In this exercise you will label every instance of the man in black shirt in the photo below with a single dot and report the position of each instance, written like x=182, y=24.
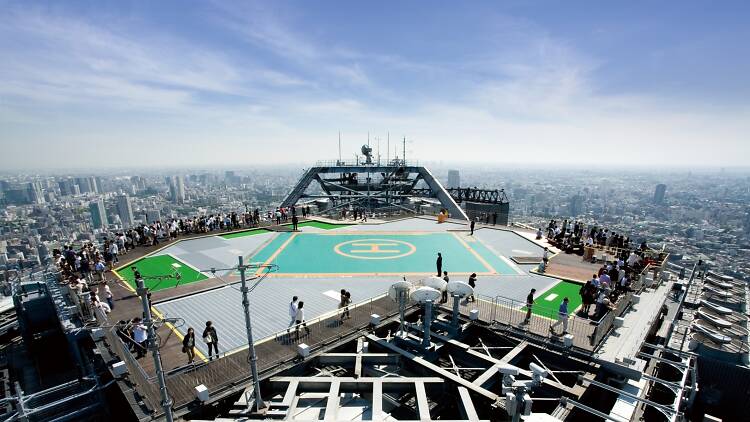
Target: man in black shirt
x=439, y=265
x=529, y=304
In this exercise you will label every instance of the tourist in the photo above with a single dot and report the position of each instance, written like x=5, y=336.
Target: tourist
x=473, y=284
x=444, y=297
x=342, y=303
x=140, y=336
x=439, y=264
x=473, y=222
x=539, y=234
x=295, y=221
x=211, y=339
x=347, y=302
x=188, y=344
x=529, y=305
x=108, y=295
x=587, y=293
x=99, y=268
x=545, y=257
x=293, y=310
x=562, y=317
x=300, y=321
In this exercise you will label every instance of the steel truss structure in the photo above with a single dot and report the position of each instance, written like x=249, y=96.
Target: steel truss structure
x=384, y=188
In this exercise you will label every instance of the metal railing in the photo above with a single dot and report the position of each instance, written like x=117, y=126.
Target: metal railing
x=232, y=369
x=137, y=376
x=510, y=315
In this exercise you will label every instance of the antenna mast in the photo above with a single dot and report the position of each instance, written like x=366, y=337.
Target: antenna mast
x=388, y=150
x=339, y=147
x=403, y=157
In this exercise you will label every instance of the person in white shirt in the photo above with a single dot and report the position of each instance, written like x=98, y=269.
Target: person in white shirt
x=140, y=336
x=300, y=319
x=293, y=311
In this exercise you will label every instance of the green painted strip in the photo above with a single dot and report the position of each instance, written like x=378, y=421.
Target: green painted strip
x=161, y=265
x=563, y=289
x=250, y=232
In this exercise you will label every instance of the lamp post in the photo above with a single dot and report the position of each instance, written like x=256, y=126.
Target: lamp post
x=249, y=327
x=166, y=401
x=258, y=403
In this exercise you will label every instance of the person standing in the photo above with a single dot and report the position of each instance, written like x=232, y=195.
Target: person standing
x=140, y=336
x=300, y=321
x=293, y=311
x=347, y=302
x=188, y=344
x=444, y=298
x=529, y=305
x=295, y=221
x=211, y=339
x=342, y=304
x=473, y=284
x=562, y=317
x=108, y=295
x=473, y=222
x=439, y=264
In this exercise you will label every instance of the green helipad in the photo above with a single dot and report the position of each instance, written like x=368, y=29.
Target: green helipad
x=379, y=253
x=159, y=272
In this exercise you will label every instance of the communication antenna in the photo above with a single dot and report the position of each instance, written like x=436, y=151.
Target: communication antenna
x=388, y=150
x=403, y=156
x=339, y=147
x=426, y=296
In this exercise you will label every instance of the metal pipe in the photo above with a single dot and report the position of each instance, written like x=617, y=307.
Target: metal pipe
x=454, y=320
x=427, y=322
x=166, y=401
x=248, y=325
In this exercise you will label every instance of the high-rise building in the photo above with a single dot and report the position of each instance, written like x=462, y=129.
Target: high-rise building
x=35, y=193
x=125, y=210
x=92, y=184
x=177, y=189
x=152, y=216
x=661, y=190
x=84, y=184
x=98, y=214
x=454, y=179
x=575, y=207
x=66, y=187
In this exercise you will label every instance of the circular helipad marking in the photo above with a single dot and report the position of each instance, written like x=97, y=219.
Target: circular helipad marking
x=375, y=249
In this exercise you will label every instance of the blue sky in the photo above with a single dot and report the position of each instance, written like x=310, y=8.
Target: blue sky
x=90, y=84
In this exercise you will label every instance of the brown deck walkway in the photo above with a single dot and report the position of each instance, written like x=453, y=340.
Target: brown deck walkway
x=571, y=267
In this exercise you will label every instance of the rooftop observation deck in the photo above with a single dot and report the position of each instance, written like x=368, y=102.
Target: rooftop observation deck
x=501, y=309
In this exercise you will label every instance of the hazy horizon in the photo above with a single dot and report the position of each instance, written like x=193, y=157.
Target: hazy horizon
x=220, y=84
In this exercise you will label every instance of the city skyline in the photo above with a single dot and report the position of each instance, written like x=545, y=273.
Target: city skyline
x=219, y=84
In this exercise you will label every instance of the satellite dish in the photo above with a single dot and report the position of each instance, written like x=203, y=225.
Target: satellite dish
x=424, y=294
x=460, y=288
x=435, y=282
x=398, y=287
x=367, y=152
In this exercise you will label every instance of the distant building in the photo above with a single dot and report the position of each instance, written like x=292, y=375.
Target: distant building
x=152, y=216
x=177, y=189
x=659, y=193
x=66, y=187
x=125, y=211
x=454, y=179
x=84, y=184
x=98, y=214
x=575, y=206
x=35, y=193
